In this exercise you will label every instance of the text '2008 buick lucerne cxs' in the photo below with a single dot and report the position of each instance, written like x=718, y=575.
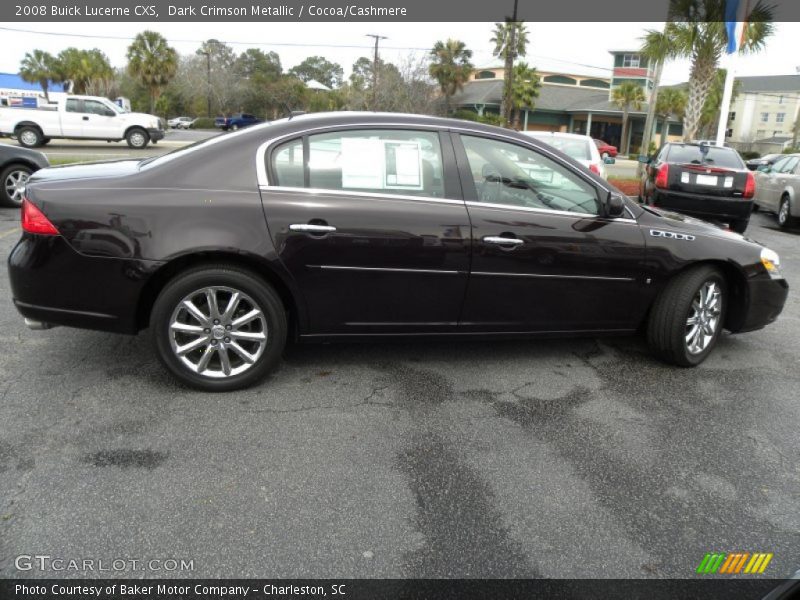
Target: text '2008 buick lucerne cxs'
x=348, y=226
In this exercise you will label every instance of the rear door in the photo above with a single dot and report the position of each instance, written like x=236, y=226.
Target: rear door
x=543, y=259
x=371, y=225
x=72, y=118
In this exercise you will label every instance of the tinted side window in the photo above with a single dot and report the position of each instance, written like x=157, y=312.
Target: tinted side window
x=790, y=165
x=73, y=105
x=377, y=161
x=287, y=164
x=508, y=174
x=96, y=108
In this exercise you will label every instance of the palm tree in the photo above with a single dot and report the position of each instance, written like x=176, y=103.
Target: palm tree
x=671, y=102
x=450, y=67
x=524, y=89
x=88, y=70
x=709, y=116
x=153, y=62
x=696, y=30
x=510, y=40
x=627, y=95
x=39, y=67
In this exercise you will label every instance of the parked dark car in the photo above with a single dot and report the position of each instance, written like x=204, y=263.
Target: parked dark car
x=348, y=226
x=759, y=164
x=704, y=181
x=16, y=166
x=236, y=122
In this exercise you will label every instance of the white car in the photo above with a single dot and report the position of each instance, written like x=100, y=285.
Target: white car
x=181, y=122
x=580, y=147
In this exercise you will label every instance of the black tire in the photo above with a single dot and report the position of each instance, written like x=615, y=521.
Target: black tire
x=137, y=138
x=739, y=226
x=9, y=178
x=784, y=216
x=667, y=324
x=29, y=137
x=262, y=295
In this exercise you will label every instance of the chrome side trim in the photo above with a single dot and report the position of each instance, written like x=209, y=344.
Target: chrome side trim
x=384, y=269
x=312, y=228
x=548, y=211
x=376, y=196
x=543, y=276
x=672, y=235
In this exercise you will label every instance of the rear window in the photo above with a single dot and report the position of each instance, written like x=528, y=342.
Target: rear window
x=705, y=155
x=574, y=148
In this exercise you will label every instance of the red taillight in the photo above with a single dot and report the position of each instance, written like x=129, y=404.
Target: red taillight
x=662, y=176
x=750, y=186
x=594, y=168
x=34, y=221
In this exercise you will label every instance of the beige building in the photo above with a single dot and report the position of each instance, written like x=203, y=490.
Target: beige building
x=763, y=114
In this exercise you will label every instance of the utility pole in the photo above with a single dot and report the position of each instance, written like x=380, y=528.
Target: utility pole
x=208, y=81
x=378, y=38
x=511, y=54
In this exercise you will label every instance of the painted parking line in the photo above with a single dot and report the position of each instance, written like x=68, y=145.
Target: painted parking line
x=9, y=232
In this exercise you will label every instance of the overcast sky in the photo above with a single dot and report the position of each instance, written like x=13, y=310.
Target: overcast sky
x=580, y=48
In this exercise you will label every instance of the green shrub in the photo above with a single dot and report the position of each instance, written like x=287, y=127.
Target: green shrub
x=487, y=118
x=204, y=123
x=791, y=150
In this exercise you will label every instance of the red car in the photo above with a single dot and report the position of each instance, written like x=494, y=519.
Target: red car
x=606, y=149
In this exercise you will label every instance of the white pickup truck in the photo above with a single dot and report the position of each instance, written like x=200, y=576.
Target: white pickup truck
x=80, y=117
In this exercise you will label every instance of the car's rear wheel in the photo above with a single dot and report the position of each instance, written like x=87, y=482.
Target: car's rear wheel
x=687, y=318
x=29, y=137
x=13, y=179
x=785, y=218
x=219, y=328
x=137, y=138
x=740, y=226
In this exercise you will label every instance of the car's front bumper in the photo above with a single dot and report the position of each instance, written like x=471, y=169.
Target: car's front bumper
x=709, y=208
x=156, y=134
x=765, y=300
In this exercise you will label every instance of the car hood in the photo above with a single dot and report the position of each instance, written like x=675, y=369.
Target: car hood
x=116, y=168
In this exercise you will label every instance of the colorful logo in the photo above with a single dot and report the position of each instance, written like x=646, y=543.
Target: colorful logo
x=734, y=563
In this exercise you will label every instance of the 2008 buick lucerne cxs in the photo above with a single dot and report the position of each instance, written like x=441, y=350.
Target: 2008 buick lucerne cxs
x=354, y=225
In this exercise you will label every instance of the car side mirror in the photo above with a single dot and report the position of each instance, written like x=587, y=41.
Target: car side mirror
x=608, y=160
x=644, y=159
x=615, y=205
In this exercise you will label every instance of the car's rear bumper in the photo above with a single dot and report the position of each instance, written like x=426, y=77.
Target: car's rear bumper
x=766, y=298
x=704, y=207
x=52, y=283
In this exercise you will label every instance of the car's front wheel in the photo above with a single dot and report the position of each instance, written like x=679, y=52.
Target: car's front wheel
x=219, y=328
x=687, y=318
x=137, y=138
x=13, y=178
x=785, y=218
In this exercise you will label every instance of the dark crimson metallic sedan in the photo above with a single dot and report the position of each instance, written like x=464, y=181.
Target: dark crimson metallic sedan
x=357, y=225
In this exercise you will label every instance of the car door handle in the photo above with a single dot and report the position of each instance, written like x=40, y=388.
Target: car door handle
x=85, y=118
x=310, y=228
x=503, y=241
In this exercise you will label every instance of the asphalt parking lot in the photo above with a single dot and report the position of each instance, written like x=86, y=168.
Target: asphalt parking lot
x=575, y=458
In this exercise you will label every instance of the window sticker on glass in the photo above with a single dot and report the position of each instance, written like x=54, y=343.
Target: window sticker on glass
x=403, y=163
x=361, y=162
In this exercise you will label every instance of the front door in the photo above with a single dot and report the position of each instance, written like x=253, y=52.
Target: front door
x=544, y=260
x=99, y=120
x=371, y=226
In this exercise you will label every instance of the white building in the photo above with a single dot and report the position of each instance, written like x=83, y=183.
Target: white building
x=763, y=114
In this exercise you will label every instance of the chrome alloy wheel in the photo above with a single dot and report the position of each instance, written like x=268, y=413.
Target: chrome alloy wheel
x=704, y=317
x=15, y=185
x=138, y=139
x=218, y=332
x=29, y=138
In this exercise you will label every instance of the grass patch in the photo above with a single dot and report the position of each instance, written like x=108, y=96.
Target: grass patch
x=69, y=160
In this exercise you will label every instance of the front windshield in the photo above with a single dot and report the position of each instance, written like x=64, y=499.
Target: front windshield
x=117, y=109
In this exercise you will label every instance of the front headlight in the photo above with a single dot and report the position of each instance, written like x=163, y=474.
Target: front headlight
x=771, y=262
